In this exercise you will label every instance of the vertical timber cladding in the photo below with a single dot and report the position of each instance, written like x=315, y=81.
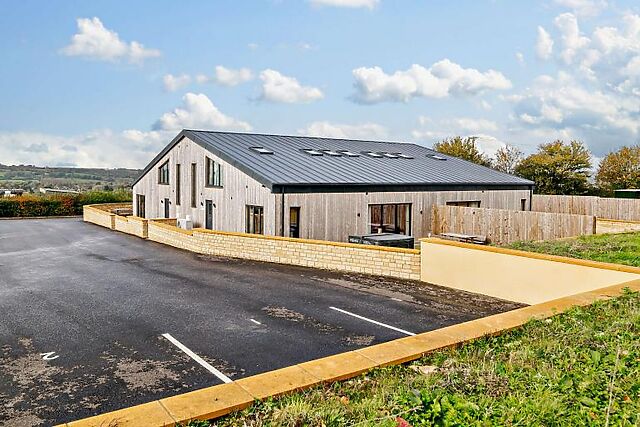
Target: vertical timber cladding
x=229, y=201
x=335, y=216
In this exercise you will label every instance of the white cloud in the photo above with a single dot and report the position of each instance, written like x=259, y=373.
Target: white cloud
x=572, y=40
x=95, y=41
x=544, y=44
x=520, y=58
x=583, y=7
x=228, y=77
x=280, y=88
x=442, y=79
x=100, y=148
x=431, y=131
x=372, y=131
x=105, y=148
x=369, y=4
x=172, y=83
x=198, y=112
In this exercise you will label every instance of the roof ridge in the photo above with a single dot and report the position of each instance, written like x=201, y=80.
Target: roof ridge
x=305, y=136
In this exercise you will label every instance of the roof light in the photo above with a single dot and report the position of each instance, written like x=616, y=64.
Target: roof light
x=373, y=154
x=390, y=156
x=332, y=153
x=436, y=157
x=312, y=152
x=403, y=156
x=350, y=154
x=261, y=150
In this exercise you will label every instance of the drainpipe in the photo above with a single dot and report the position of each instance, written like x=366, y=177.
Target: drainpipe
x=282, y=212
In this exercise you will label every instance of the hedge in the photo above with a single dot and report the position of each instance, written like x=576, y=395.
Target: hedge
x=58, y=204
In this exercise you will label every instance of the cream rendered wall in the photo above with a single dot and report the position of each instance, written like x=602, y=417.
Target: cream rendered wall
x=335, y=216
x=514, y=275
x=238, y=190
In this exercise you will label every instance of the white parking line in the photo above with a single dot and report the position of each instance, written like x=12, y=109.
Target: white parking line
x=372, y=321
x=255, y=321
x=198, y=359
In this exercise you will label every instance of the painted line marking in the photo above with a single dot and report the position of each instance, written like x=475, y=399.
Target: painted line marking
x=372, y=321
x=198, y=359
x=396, y=299
x=49, y=355
x=255, y=321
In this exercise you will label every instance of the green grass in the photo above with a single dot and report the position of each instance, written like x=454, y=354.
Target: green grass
x=615, y=248
x=580, y=368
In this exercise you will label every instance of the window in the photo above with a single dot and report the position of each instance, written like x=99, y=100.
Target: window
x=465, y=203
x=140, y=205
x=261, y=150
x=213, y=173
x=294, y=222
x=178, y=189
x=332, y=153
x=393, y=218
x=523, y=204
x=373, y=154
x=436, y=157
x=350, y=153
x=163, y=173
x=255, y=220
x=312, y=152
x=194, y=189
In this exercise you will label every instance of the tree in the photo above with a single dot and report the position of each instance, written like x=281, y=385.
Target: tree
x=619, y=169
x=464, y=148
x=507, y=159
x=558, y=168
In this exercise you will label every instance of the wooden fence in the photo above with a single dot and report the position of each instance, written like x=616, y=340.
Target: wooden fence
x=609, y=208
x=503, y=226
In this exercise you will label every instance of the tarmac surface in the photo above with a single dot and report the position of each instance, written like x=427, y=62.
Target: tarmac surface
x=92, y=320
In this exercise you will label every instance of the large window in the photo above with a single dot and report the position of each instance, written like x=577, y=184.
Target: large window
x=194, y=186
x=163, y=173
x=213, y=173
x=392, y=218
x=255, y=220
x=140, y=211
x=178, y=186
x=465, y=203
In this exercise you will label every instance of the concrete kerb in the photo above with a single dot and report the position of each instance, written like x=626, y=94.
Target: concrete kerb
x=223, y=399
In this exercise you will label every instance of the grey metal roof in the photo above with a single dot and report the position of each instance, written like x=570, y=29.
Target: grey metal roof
x=289, y=166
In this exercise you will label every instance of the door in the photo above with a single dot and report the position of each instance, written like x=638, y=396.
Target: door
x=166, y=208
x=208, y=221
x=294, y=222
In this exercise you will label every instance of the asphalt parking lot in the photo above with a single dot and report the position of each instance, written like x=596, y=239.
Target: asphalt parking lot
x=92, y=320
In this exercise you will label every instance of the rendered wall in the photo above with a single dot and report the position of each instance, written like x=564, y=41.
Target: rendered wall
x=515, y=275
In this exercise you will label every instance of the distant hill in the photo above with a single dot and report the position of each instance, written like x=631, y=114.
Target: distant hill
x=31, y=178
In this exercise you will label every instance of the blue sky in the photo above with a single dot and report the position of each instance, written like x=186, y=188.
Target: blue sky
x=108, y=83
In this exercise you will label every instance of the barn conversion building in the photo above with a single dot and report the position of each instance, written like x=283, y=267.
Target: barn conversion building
x=315, y=188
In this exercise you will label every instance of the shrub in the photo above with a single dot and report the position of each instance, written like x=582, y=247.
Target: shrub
x=58, y=204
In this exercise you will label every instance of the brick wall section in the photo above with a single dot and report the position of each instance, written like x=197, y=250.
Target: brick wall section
x=131, y=225
x=98, y=216
x=394, y=262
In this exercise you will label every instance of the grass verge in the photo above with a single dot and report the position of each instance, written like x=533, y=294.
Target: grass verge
x=615, y=248
x=579, y=368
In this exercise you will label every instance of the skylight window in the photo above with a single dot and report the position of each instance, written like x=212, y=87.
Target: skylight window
x=350, y=153
x=261, y=150
x=436, y=157
x=390, y=155
x=312, y=152
x=373, y=154
x=403, y=156
x=332, y=153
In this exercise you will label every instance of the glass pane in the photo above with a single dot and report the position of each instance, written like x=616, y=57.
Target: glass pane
x=375, y=218
x=389, y=218
x=403, y=219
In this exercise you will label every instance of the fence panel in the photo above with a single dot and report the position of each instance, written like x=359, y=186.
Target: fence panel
x=503, y=226
x=608, y=208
